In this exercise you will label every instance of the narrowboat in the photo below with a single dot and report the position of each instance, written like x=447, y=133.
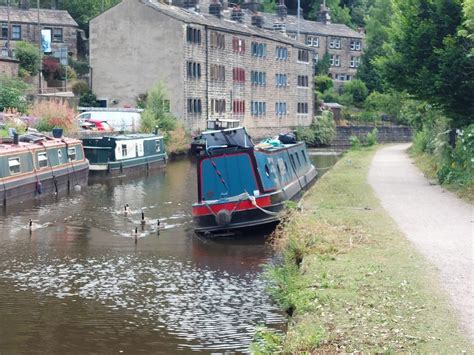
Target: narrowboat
x=199, y=143
x=124, y=155
x=242, y=185
x=34, y=165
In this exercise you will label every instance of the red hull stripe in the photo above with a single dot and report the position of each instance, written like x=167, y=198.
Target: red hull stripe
x=203, y=210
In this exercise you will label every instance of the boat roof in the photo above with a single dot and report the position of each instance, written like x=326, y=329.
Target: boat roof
x=230, y=137
x=123, y=137
x=7, y=146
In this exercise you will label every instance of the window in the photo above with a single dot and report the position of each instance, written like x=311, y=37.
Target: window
x=342, y=77
x=303, y=56
x=312, y=41
x=194, y=106
x=217, y=72
x=280, y=108
x=335, y=43
x=258, y=108
x=4, y=33
x=57, y=35
x=302, y=107
x=303, y=81
x=217, y=40
x=158, y=146
x=124, y=150
x=281, y=53
x=193, y=70
x=42, y=160
x=355, y=45
x=355, y=62
x=217, y=106
x=258, y=78
x=71, y=152
x=259, y=49
x=238, y=45
x=238, y=107
x=16, y=32
x=238, y=75
x=14, y=165
x=335, y=60
x=60, y=156
x=193, y=35
x=281, y=80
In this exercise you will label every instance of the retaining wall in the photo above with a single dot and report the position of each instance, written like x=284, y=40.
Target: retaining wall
x=386, y=134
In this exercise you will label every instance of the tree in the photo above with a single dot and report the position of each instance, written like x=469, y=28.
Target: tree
x=339, y=14
x=429, y=59
x=13, y=94
x=323, y=83
x=156, y=112
x=323, y=65
x=357, y=90
x=29, y=57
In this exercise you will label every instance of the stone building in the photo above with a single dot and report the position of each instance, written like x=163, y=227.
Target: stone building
x=212, y=65
x=24, y=27
x=9, y=67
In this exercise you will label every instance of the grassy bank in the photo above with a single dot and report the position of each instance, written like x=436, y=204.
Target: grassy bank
x=350, y=280
x=428, y=165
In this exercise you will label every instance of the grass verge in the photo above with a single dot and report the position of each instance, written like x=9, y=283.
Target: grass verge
x=350, y=281
x=428, y=165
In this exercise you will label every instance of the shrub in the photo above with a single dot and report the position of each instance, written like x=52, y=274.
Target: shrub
x=13, y=94
x=71, y=73
x=323, y=83
x=324, y=129
x=357, y=89
x=177, y=141
x=29, y=57
x=80, y=87
x=52, y=114
x=81, y=67
x=156, y=113
x=51, y=67
x=328, y=96
x=372, y=138
x=88, y=99
x=420, y=142
x=355, y=142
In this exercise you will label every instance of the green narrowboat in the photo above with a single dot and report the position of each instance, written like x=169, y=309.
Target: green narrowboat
x=124, y=155
x=35, y=165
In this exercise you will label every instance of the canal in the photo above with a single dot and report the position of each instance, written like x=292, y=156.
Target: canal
x=78, y=282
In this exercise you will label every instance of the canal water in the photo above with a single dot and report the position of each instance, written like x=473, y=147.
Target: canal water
x=78, y=283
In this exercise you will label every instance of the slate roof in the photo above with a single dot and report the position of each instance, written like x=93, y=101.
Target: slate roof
x=47, y=16
x=223, y=23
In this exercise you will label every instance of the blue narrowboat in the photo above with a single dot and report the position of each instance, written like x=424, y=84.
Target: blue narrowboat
x=242, y=185
x=35, y=165
x=126, y=154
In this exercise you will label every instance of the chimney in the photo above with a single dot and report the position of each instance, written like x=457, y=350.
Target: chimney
x=251, y=5
x=282, y=10
x=24, y=4
x=236, y=14
x=257, y=20
x=215, y=8
x=324, y=14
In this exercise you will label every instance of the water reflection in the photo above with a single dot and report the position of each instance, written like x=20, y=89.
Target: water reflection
x=77, y=282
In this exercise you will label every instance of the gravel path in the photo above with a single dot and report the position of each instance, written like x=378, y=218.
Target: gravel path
x=440, y=225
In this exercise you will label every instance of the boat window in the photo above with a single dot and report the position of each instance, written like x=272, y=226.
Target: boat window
x=298, y=158
x=292, y=158
x=157, y=146
x=42, y=160
x=124, y=150
x=286, y=167
x=60, y=156
x=14, y=164
x=267, y=170
x=71, y=152
x=304, y=156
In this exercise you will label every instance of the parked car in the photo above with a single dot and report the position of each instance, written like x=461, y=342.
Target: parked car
x=96, y=125
x=127, y=121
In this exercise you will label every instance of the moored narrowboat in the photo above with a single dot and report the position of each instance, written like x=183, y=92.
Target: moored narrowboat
x=34, y=165
x=242, y=185
x=124, y=155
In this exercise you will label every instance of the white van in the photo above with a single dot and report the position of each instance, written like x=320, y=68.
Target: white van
x=119, y=120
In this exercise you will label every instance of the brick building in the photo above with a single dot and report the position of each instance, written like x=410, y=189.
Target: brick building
x=24, y=27
x=213, y=65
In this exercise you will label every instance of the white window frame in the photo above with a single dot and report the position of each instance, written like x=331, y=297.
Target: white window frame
x=335, y=43
x=42, y=157
x=14, y=163
x=60, y=156
x=355, y=45
x=72, y=152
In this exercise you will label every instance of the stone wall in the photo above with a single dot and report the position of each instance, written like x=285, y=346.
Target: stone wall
x=386, y=134
x=9, y=67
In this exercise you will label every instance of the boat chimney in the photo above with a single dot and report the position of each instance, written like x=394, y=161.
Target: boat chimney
x=15, y=138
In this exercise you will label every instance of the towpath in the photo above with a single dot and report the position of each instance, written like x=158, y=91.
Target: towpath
x=440, y=225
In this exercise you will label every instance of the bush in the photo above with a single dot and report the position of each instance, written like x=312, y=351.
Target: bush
x=13, y=94
x=51, y=67
x=372, y=138
x=323, y=83
x=321, y=132
x=81, y=67
x=355, y=142
x=420, y=142
x=71, y=73
x=357, y=89
x=88, y=99
x=29, y=57
x=80, y=87
x=328, y=96
x=50, y=114
x=156, y=113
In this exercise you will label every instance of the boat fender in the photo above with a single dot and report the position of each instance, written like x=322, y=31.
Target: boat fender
x=39, y=187
x=223, y=217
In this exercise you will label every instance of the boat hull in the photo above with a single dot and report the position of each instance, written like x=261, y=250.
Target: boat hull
x=133, y=168
x=33, y=186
